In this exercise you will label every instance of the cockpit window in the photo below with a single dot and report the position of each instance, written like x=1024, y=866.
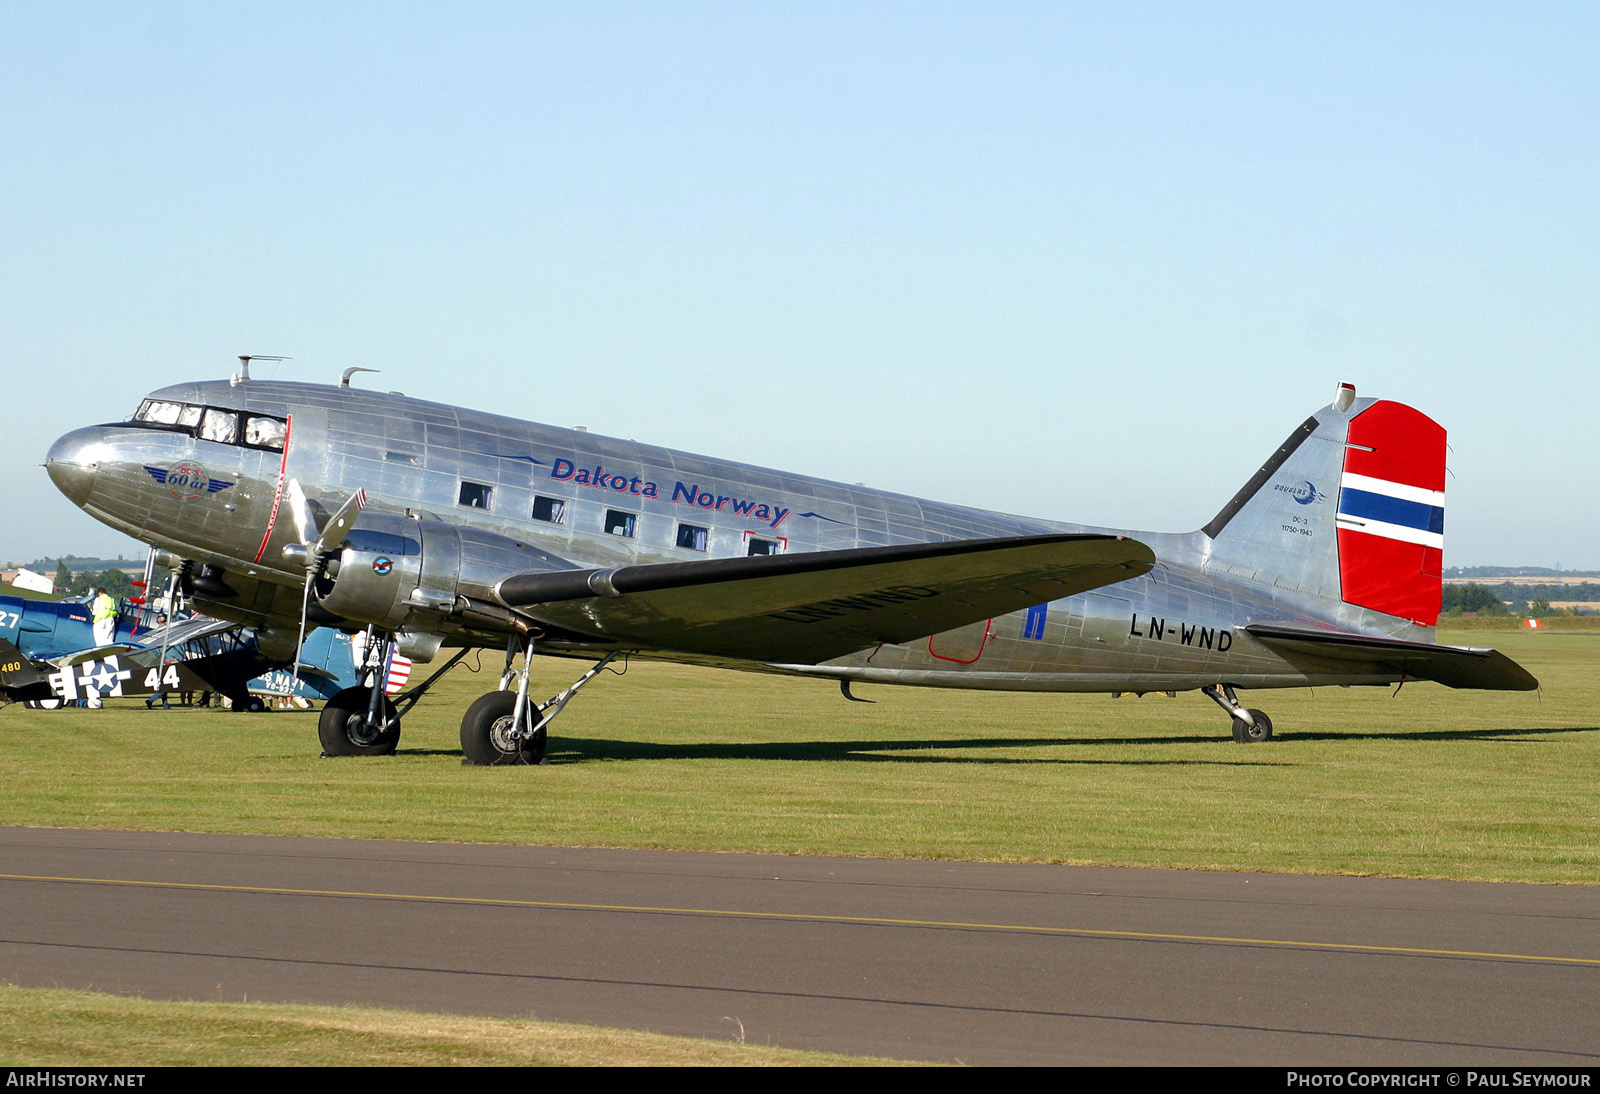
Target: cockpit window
x=220, y=425
x=214, y=423
x=160, y=413
x=265, y=433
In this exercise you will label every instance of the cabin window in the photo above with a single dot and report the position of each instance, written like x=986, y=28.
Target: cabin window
x=760, y=546
x=619, y=523
x=551, y=510
x=400, y=457
x=266, y=432
x=221, y=426
x=474, y=495
x=693, y=536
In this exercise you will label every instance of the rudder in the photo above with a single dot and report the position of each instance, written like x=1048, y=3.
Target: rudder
x=1391, y=513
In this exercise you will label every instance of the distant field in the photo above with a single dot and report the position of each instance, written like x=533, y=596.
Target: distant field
x=1429, y=783
x=26, y=594
x=1470, y=630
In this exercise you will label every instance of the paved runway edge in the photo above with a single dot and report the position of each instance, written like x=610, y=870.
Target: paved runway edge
x=982, y=962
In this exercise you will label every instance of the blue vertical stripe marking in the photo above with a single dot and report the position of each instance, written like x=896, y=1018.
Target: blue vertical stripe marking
x=1037, y=615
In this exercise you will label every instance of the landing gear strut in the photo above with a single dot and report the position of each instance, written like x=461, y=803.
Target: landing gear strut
x=1249, y=726
x=505, y=727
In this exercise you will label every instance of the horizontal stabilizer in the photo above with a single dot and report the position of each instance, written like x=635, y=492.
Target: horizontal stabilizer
x=17, y=669
x=809, y=607
x=1453, y=666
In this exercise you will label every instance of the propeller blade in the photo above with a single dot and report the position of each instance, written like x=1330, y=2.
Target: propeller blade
x=166, y=631
x=299, y=643
x=334, y=533
x=305, y=522
x=329, y=538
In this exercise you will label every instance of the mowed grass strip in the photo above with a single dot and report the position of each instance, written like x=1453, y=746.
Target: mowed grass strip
x=44, y=1027
x=1427, y=783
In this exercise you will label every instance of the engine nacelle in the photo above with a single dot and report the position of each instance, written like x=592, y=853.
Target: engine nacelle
x=380, y=566
x=395, y=571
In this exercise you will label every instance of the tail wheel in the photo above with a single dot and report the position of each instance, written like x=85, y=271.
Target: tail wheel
x=486, y=738
x=1246, y=734
x=347, y=729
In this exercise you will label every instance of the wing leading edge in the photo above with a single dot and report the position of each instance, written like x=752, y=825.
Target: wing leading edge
x=811, y=607
x=1453, y=666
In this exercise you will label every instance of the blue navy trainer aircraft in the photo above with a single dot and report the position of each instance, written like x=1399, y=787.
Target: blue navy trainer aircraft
x=284, y=505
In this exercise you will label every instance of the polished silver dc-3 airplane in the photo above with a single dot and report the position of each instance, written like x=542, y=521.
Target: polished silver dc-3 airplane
x=283, y=505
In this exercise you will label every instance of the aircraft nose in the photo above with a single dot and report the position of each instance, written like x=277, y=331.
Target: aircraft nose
x=73, y=462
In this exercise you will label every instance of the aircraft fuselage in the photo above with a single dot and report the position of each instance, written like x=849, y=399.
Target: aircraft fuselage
x=520, y=496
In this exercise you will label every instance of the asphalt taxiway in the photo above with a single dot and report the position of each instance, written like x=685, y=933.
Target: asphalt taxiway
x=979, y=962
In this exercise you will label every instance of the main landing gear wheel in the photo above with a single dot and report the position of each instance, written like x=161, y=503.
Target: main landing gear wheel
x=486, y=736
x=43, y=704
x=346, y=727
x=1245, y=733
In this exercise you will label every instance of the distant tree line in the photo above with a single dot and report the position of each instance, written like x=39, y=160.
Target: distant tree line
x=1473, y=598
x=1516, y=571
x=115, y=582
x=1523, y=599
x=1588, y=590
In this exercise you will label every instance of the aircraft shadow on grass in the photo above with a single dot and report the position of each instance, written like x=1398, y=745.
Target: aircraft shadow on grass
x=590, y=749
x=581, y=750
x=1508, y=735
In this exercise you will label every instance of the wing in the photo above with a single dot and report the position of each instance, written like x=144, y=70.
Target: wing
x=186, y=630
x=810, y=607
x=1454, y=666
x=94, y=653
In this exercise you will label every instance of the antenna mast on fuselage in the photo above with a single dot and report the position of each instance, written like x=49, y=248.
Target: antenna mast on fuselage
x=243, y=375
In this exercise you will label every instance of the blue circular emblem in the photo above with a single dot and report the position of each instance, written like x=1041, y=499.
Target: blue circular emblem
x=382, y=565
x=187, y=481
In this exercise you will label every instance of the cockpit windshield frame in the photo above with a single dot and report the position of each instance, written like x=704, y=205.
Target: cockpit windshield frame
x=220, y=425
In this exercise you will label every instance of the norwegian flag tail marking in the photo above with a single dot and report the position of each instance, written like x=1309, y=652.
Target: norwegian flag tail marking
x=1390, y=521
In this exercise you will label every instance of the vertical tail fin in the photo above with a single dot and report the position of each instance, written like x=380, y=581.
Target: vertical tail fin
x=1350, y=509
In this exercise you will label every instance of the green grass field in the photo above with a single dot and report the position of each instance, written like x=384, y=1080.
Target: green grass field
x=44, y=1027
x=1428, y=783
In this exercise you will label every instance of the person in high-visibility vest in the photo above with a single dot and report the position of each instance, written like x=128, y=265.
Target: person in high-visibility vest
x=104, y=610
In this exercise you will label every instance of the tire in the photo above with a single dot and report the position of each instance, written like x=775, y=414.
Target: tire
x=483, y=729
x=1247, y=734
x=343, y=730
x=44, y=704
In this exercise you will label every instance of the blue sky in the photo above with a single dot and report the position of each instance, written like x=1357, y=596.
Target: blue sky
x=1083, y=261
